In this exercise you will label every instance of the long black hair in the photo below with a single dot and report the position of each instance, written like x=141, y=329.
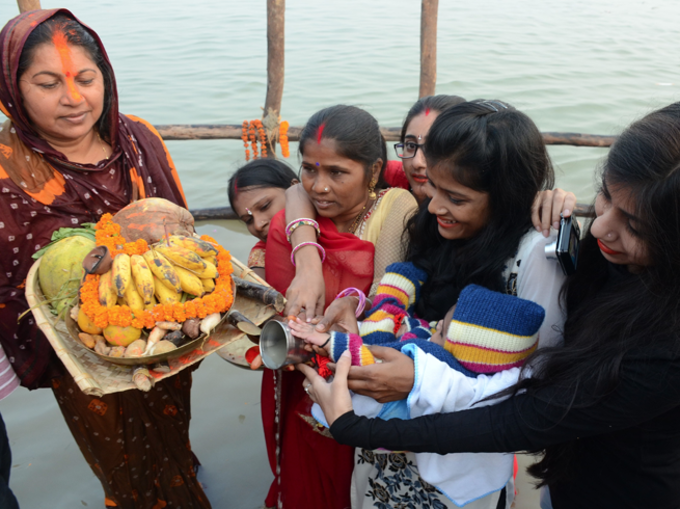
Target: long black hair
x=609, y=310
x=356, y=133
x=76, y=35
x=263, y=172
x=490, y=147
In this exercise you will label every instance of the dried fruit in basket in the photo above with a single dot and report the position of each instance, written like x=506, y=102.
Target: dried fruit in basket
x=61, y=270
x=152, y=218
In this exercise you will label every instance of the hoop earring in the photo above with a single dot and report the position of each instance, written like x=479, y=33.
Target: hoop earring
x=371, y=190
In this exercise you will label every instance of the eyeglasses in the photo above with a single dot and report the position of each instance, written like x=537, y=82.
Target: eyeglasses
x=408, y=149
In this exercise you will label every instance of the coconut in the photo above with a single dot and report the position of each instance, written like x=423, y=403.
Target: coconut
x=153, y=218
x=61, y=270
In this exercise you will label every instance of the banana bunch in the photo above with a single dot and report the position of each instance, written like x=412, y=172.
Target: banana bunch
x=178, y=265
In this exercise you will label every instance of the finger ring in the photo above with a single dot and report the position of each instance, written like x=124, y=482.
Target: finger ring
x=307, y=389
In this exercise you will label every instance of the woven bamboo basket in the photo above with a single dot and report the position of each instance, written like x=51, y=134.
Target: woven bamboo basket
x=96, y=376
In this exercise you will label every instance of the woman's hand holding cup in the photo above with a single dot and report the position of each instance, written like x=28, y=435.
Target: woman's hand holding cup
x=333, y=397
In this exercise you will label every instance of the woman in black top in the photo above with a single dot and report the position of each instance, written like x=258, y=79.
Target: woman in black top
x=605, y=407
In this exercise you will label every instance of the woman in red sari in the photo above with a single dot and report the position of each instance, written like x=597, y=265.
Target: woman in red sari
x=67, y=156
x=343, y=156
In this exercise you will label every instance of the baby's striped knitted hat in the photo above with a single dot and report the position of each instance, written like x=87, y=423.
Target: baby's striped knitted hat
x=492, y=331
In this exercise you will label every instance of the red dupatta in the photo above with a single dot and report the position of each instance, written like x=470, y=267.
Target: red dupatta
x=315, y=471
x=349, y=260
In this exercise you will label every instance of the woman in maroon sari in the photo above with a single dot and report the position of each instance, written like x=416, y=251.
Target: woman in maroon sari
x=67, y=156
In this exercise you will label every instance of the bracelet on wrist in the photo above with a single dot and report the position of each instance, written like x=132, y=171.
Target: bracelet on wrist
x=360, y=295
x=322, y=251
x=296, y=223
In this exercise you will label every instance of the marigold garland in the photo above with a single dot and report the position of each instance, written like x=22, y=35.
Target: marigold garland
x=252, y=138
x=262, y=136
x=244, y=137
x=219, y=300
x=283, y=138
x=253, y=131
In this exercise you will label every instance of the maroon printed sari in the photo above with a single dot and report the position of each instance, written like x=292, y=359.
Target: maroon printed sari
x=137, y=444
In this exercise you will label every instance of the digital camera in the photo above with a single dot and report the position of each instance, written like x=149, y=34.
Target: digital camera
x=565, y=248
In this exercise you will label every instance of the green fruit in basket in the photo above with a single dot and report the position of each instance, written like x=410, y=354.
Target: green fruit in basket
x=61, y=269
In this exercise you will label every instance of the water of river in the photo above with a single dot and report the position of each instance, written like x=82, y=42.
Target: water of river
x=578, y=66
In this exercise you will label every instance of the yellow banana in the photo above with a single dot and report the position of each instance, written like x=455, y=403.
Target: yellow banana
x=107, y=292
x=210, y=271
x=190, y=284
x=164, y=294
x=211, y=259
x=143, y=277
x=198, y=246
x=163, y=270
x=133, y=299
x=182, y=257
x=208, y=284
x=153, y=302
x=121, y=273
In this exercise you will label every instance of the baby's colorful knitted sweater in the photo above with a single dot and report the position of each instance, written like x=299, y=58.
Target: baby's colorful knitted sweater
x=489, y=331
x=393, y=307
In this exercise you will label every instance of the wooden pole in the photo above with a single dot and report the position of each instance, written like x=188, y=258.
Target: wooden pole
x=233, y=132
x=220, y=213
x=28, y=5
x=428, y=47
x=275, y=66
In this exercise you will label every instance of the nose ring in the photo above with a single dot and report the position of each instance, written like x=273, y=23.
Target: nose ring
x=609, y=235
x=326, y=189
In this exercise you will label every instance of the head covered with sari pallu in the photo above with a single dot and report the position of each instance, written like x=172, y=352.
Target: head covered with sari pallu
x=41, y=190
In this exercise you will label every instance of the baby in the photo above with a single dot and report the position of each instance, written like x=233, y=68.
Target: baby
x=484, y=332
x=485, y=337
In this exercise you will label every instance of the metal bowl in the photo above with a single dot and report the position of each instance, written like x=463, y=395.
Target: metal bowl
x=147, y=359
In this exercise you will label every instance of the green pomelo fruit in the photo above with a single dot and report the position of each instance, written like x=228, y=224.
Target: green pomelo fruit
x=61, y=269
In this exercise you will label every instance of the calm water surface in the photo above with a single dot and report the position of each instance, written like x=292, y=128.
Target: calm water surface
x=578, y=66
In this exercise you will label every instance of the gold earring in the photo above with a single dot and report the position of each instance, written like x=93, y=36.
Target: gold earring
x=371, y=189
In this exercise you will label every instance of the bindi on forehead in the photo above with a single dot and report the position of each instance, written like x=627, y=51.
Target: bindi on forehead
x=61, y=44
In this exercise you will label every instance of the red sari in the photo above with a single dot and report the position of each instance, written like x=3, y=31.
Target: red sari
x=315, y=471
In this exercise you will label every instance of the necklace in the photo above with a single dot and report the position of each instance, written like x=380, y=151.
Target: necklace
x=357, y=219
x=106, y=154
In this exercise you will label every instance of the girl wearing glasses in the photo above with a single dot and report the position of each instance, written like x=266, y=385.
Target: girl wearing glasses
x=413, y=135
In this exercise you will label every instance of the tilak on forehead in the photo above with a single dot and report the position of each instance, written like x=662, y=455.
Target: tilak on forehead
x=61, y=44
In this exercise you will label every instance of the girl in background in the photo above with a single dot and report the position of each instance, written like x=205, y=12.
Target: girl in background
x=256, y=193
